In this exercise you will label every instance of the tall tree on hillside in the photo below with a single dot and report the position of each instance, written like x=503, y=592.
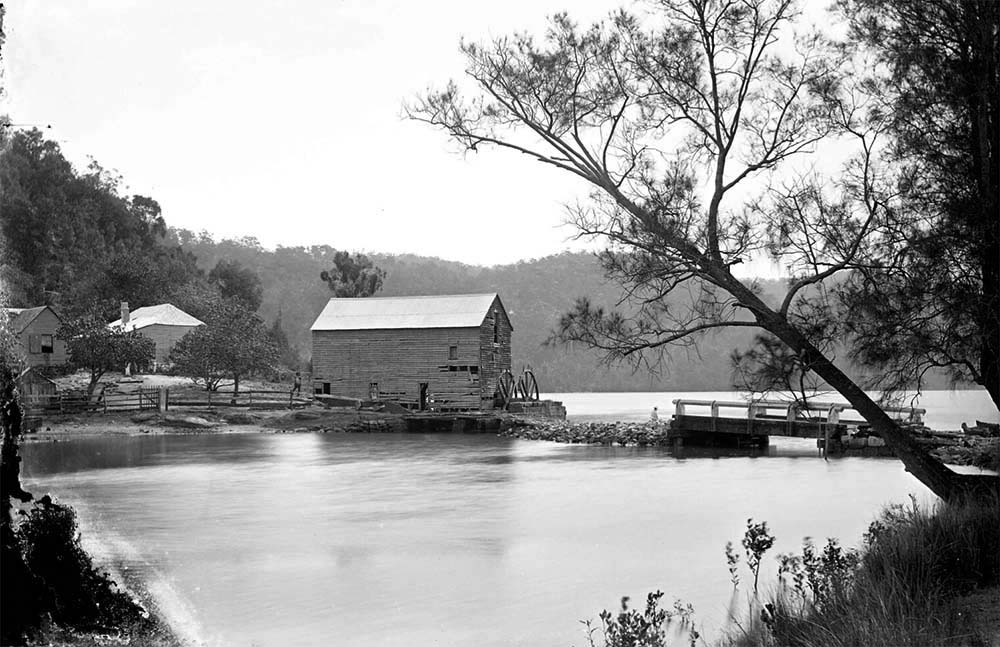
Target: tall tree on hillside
x=287, y=356
x=667, y=126
x=353, y=277
x=934, y=302
x=237, y=282
x=72, y=239
x=197, y=297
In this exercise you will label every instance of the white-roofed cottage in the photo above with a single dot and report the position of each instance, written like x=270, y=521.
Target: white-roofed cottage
x=165, y=324
x=444, y=353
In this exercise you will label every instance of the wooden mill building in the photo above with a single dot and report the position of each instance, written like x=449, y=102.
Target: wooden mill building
x=440, y=353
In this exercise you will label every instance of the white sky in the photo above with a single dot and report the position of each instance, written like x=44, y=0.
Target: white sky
x=249, y=118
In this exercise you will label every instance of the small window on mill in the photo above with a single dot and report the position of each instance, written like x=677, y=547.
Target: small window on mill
x=453, y=352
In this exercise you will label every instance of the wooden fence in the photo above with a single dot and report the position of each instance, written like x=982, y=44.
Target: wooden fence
x=259, y=399
x=100, y=401
x=152, y=399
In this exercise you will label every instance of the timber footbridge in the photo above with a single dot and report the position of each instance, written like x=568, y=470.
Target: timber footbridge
x=752, y=423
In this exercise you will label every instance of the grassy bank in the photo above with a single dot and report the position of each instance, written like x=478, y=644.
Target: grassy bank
x=921, y=578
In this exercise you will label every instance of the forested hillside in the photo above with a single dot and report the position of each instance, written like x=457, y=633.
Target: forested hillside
x=536, y=293
x=72, y=240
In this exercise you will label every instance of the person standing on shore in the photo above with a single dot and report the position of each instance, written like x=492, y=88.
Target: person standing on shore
x=655, y=416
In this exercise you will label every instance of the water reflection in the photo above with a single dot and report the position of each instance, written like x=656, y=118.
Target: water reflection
x=115, y=452
x=302, y=539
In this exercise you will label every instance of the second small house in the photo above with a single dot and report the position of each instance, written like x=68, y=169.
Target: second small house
x=35, y=330
x=442, y=353
x=165, y=324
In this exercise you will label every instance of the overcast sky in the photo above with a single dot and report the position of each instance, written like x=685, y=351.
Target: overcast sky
x=247, y=118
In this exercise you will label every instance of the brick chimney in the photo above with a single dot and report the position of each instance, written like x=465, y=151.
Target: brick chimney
x=125, y=317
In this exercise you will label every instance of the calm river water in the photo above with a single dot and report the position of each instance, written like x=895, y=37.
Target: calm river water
x=309, y=539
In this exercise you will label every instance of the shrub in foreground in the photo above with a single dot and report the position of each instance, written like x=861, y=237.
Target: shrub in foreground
x=652, y=627
x=70, y=595
x=903, y=588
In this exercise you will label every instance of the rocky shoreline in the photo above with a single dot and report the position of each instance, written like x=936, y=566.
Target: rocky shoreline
x=214, y=421
x=623, y=434
x=953, y=448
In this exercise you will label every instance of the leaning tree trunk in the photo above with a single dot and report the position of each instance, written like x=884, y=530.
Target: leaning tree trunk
x=944, y=482
x=931, y=472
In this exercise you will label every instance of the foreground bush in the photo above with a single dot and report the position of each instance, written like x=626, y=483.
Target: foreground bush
x=904, y=588
x=61, y=596
x=653, y=627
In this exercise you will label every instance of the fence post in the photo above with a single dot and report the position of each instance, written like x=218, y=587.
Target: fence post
x=162, y=404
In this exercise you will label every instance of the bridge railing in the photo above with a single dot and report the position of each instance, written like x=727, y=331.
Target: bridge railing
x=830, y=412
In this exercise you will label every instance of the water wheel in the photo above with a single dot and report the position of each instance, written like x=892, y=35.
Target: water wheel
x=527, y=386
x=506, y=387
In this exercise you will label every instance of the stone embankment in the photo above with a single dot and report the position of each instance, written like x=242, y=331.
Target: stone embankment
x=970, y=450
x=332, y=421
x=951, y=448
x=623, y=434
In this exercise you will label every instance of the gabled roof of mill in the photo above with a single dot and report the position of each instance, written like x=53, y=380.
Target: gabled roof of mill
x=20, y=318
x=164, y=314
x=380, y=313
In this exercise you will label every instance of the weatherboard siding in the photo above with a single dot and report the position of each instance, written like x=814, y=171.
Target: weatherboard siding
x=494, y=358
x=165, y=337
x=45, y=323
x=399, y=361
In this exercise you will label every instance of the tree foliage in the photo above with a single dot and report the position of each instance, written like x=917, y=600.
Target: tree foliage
x=96, y=347
x=233, y=344
x=237, y=282
x=353, y=277
x=535, y=292
x=287, y=357
x=933, y=301
x=679, y=128
x=73, y=240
